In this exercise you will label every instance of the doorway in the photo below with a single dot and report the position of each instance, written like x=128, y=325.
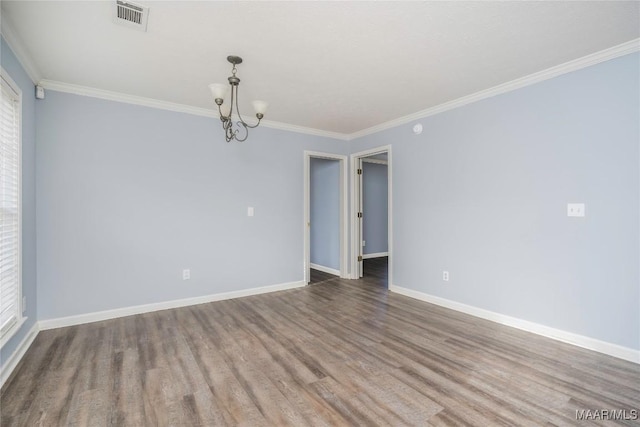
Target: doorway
x=325, y=214
x=371, y=203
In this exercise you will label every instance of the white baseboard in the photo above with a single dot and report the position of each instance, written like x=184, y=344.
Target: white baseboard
x=611, y=349
x=146, y=308
x=325, y=269
x=375, y=255
x=12, y=361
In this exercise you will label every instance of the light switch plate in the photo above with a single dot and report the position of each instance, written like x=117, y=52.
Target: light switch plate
x=250, y=211
x=575, y=209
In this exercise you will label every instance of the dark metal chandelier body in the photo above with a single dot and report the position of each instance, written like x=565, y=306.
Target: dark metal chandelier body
x=219, y=91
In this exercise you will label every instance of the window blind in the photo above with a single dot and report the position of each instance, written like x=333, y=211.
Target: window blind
x=10, y=290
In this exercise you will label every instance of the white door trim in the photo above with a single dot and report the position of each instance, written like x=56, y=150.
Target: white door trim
x=359, y=221
x=344, y=211
x=355, y=242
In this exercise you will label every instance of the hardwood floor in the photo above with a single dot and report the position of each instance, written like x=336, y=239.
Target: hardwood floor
x=373, y=269
x=336, y=353
x=318, y=276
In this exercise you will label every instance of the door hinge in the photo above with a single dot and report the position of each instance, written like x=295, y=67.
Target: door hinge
x=359, y=258
x=359, y=214
x=359, y=171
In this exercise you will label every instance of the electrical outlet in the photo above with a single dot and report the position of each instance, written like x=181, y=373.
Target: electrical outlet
x=186, y=274
x=445, y=276
x=575, y=209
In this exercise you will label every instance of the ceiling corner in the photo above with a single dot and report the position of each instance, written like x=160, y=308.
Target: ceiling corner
x=18, y=48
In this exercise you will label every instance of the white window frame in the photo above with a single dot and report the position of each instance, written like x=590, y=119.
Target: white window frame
x=10, y=331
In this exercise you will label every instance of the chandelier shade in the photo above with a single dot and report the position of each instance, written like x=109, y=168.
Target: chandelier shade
x=219, y=90
x=260, y=107
x=226, y=98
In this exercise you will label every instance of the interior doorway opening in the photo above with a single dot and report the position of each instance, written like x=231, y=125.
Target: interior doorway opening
x=325, y=215
x=371, y=249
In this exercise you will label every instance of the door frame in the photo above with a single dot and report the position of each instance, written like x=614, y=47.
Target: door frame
x=356, y=238
x=344, y=211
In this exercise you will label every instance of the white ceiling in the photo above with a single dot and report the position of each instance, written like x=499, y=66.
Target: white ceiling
x=334, y=66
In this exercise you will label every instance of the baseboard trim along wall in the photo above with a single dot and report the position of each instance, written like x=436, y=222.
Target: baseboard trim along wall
x=12, y=361
x=325, y=269
x=146, y=308
x=375, y=255
x=610, y=349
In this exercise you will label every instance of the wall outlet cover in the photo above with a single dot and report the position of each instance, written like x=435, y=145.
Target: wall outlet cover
x=575, y=209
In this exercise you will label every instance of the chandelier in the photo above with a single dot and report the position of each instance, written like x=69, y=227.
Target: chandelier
x=239, y=131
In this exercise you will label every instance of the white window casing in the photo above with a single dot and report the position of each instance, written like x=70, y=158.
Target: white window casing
x=10, y=208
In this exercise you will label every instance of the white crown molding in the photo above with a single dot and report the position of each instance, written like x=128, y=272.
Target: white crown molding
x=604, y=347
x=574, y=65
x=80, y=319
x=305, y=130
x=125, y=98
x=172, y=106
x=12, y=361
x=9, y=35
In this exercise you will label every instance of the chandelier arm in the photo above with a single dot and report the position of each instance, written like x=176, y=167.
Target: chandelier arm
x=234, y=97
x=254, y=126
x=246, y=132
x=223, y=118
x=229, y=137
x=225, y=122
x=227, y=125
x=245, y=124
x=238, y=110
x=229, y=133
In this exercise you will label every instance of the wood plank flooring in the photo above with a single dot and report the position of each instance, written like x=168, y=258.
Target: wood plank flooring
x=336, y=353
x=318, y=276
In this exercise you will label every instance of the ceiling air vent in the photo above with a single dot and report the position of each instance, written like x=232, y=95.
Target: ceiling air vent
x=131, y=14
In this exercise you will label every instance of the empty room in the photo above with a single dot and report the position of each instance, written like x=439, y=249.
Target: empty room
x=266, y=213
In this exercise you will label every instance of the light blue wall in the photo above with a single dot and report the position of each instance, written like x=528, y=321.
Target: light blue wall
x=482, y=193
x=375, y=209
x=325, y=212
x=129, y=196
x=17, y=73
